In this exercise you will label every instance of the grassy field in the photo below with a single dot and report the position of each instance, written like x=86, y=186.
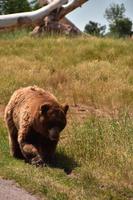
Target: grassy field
x=94, y=156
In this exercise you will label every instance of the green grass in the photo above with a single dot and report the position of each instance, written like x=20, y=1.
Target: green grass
x=97, y=152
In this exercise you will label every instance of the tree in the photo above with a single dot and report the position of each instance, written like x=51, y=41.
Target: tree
x=122, y=27
x=118, y=24
x=115, y=12
x=1, y=6
x=94, y=28
x=14, y=6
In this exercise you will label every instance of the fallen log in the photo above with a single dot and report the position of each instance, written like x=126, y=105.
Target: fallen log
x=29, y=18
x=49, y=18
x=72, y=6
x=57, y=22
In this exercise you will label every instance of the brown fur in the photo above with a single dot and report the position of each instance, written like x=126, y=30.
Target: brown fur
x=34, y=119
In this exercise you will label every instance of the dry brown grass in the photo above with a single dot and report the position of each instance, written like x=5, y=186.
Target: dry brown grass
x=94, y=72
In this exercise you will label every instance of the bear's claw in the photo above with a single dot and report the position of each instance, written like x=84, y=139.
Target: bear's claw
x=38, y=162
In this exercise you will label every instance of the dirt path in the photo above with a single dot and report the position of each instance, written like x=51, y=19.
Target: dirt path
x=81, y=112
x=11, y=191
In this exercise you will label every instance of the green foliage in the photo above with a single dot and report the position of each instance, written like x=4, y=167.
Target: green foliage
x=115, y=12
x=14, y=6
x=95, y=29
x=119, y=25
x=122, y=27
x=1, y=6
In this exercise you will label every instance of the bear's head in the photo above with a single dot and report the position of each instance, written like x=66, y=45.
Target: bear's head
x=52, y=120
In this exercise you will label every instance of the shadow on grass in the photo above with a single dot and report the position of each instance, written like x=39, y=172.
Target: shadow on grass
x=62, y=161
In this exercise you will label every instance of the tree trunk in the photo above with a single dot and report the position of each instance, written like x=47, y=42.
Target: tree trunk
x=29, y=18
x=57, y=22
x=50, y=18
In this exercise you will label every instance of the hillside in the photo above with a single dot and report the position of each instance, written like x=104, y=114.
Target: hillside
x=95, y=77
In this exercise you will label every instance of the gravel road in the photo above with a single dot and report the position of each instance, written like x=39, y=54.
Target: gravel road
x=10, y=191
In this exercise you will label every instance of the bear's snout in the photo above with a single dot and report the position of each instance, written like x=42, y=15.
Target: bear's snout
x=54, y=133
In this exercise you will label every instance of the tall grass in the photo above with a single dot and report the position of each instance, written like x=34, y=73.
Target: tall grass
x=95, y=72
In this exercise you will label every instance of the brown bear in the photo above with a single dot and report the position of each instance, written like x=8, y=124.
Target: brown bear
x=34, y=120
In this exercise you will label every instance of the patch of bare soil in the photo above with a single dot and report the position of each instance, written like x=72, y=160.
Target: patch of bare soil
x=82, y=112
x=9, y=190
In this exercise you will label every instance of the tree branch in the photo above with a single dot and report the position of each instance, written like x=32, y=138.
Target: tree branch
x=75, y=4
x=29, y=18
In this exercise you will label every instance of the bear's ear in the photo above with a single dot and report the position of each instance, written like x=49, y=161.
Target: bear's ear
x=65, y=108
x=44, y=108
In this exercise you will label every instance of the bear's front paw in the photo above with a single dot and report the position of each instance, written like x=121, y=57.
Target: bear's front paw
x=38, y=162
